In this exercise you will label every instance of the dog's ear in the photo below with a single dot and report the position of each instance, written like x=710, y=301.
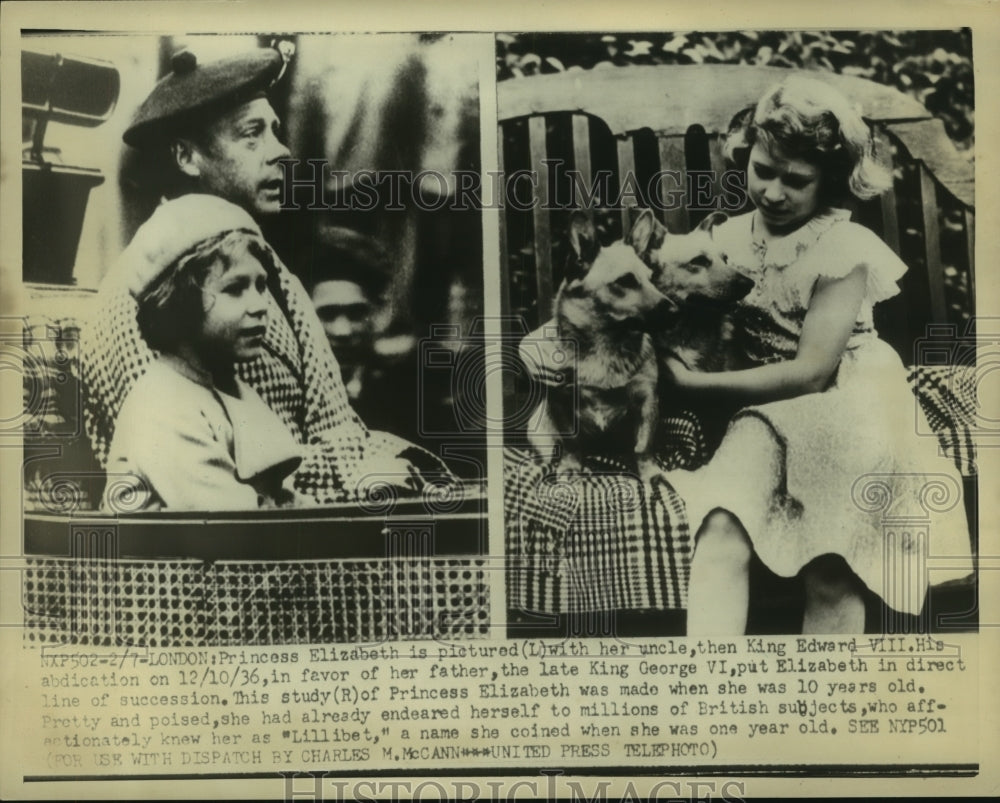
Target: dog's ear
x=583, y=240
x=714, y=219
x=641, y=233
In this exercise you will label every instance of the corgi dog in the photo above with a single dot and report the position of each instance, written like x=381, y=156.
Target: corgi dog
x=693, y=272
x=604, y=310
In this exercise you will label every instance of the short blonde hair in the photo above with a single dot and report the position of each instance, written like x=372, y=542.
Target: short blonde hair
x=811, y=120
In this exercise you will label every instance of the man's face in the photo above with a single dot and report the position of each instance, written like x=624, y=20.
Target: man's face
x=346, y=314
x=237, y=158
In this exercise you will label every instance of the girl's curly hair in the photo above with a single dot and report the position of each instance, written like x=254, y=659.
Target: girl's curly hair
x=809, y=119
x=171, y=309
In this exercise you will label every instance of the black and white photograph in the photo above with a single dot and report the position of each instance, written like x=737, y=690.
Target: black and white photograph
x=589, y=401
x=239, y=254
x=740, y=273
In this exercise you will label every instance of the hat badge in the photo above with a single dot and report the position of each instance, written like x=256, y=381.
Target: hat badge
x=183, y=62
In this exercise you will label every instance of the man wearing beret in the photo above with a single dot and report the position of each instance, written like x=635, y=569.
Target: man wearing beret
x=216, y=133
x=215, y=127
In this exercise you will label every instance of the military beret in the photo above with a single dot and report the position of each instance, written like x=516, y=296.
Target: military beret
x=175, y=228
x=191, y=89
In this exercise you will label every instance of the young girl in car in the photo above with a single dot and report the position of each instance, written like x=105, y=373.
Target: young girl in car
x=191, y=434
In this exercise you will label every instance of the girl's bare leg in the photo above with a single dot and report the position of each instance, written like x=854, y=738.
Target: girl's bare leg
x=746, y=470
x=720, y=583
x=834, y=602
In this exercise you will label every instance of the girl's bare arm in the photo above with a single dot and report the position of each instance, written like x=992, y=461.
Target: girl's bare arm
x=828, y=324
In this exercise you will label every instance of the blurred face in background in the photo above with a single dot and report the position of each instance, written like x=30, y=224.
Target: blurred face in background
x=346, y=312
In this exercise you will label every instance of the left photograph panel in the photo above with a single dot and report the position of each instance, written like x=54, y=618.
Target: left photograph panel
x=251, y=328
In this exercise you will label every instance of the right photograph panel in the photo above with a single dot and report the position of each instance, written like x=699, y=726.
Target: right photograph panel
x=739, y=296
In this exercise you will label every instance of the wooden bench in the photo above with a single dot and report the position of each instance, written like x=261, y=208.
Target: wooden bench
x=665, y=127
x=657, y=133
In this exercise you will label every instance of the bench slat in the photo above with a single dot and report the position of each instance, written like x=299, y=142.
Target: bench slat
x=888, y=200
x=970, y=245
x=540, y=216
x=672, y=159
x=505, y=273
x=932, y=245
x=717, y=161
x=581, y=151
x=626, y=167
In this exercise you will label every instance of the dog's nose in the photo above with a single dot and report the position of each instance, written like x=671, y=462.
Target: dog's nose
x=744, y=284
x=664, y=314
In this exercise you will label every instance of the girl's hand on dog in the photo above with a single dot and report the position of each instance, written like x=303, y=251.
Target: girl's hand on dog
x=675, y=374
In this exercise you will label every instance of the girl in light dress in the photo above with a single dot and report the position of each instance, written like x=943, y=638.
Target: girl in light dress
x=826, y=442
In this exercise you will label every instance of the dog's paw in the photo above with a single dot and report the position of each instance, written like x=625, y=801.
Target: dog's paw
x=648, y=469
x=569, y=464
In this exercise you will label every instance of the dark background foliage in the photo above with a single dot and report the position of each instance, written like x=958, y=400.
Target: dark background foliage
x=934, y=67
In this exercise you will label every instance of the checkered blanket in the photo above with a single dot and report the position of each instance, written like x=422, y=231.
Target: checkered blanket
x=600, y=539
x=297, y=375
x=597, y=540
x=947, y=395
